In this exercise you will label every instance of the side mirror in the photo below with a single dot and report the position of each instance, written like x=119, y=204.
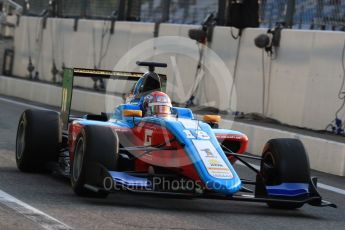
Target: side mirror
x=132, y=113
x=212, y=120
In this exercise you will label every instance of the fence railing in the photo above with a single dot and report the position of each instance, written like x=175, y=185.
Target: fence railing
x=306, y=14
x=299, y=14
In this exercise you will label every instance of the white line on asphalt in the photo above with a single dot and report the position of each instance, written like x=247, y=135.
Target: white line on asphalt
x=39, y=217
x=319, y=185
x=331, y=188
x=21, y=103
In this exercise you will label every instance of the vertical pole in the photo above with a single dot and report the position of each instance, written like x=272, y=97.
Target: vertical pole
x=128, y=10
x=319, y=15
x=133, y=10
x=53, y=8
x=290, y=11
x=185, y=11
x=59, y=8
x=221, y=17
x=83, y=7
x=262, y=8
x=271, y=18
x=300, y=17
x=165, y=10
x=122, y=10
x=150, y=11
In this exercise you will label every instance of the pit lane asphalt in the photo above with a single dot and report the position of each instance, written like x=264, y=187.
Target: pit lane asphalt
x=53, y=195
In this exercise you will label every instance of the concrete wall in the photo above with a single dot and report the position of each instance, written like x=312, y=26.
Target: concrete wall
x=90, y=102
x=305, y=75
x=324, y=155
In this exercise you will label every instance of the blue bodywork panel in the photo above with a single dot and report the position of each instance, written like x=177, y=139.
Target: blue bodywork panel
x=128, y=181
x=178, y=127
x=183, y=112
x=288, y=189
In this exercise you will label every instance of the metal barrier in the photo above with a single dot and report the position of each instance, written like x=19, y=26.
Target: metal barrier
x=305, y=14
x=298, y=14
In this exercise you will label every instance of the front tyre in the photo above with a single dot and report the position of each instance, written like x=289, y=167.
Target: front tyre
x=284, y=161
x=95, y=145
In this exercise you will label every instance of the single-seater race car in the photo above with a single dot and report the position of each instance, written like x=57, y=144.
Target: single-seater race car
x=147, y=146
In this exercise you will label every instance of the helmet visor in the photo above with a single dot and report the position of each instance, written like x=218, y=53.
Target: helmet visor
x=160, y=109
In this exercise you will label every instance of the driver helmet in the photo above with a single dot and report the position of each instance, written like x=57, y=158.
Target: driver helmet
x=157, y=103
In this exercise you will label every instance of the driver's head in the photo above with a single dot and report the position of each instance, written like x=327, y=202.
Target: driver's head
x=157, y=103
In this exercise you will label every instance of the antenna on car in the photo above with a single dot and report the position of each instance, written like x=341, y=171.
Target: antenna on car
x=152, y=65
x=197, y=127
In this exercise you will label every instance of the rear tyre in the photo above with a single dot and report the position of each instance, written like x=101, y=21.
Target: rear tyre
x=37, y=140
x=283, y=161
x=95, y=145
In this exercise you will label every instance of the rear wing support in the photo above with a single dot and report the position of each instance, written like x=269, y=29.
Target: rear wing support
x=67, y=85
x=66, y=97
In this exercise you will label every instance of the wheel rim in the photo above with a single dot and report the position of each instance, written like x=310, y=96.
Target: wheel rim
x=78, y=159
x=268, y=167
x=20, y=141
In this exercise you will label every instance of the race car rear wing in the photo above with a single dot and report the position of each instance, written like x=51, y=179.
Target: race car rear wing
x=67, y=85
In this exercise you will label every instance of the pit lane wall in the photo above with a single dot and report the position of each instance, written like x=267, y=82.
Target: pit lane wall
x=302, y=89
